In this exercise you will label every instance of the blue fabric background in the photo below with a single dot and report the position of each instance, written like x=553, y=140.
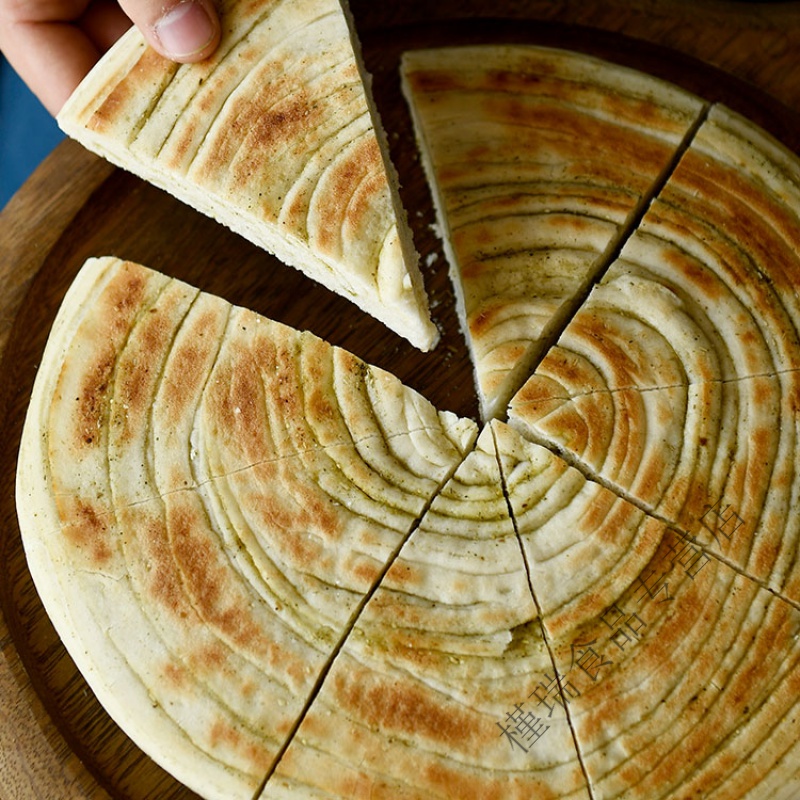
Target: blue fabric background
x=27, y=132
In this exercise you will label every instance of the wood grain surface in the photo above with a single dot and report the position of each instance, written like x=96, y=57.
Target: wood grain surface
x=55, y=740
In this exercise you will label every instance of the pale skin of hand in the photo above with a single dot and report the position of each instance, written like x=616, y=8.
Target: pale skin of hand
x=52, y=44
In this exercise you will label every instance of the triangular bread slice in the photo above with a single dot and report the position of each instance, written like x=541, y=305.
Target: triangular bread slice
x=679, y=674
x=430, y=695
x=539, y=161
x=205, y=497
x=678, y=380
x=277, y=137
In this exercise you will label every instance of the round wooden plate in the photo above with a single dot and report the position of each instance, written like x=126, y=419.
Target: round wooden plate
x=104, y=211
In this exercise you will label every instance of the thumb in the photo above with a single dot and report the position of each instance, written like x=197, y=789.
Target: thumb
x=182, y=30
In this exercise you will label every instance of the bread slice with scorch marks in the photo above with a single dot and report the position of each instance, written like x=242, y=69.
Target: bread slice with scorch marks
x=276, y=136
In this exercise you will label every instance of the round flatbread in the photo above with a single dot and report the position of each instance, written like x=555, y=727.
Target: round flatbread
x=288, y=575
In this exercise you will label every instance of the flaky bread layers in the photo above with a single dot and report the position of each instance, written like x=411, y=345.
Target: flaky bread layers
x=563, y=521
x=706, y=287
x=678, y=380
x=678, y=674
x=430, y=695
x=205, y=496
x=274, y=136
x=538, y=159
x=717, y=459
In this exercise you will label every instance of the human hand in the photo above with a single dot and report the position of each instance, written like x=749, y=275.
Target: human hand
x=52, y=44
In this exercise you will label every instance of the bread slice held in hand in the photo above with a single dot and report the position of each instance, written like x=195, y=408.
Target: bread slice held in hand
x=275, y=136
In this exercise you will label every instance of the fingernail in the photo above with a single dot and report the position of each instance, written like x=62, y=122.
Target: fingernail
x=185, y=30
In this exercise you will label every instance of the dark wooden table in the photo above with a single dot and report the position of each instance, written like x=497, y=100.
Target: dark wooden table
x=744, y=54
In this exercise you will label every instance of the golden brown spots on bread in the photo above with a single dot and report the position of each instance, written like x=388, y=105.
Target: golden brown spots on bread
x=134, y=400
x=605, y=517
x=613, y=353
x=355, y=370
x=754, y=237
x=184, y=148
x=656, y=467
x=236, y=405
x=258, y=125
x=484, y=319
x=281, y=123
x=319, y=380
x=175, y=675
x=189, y=576
x=598, y=413
x=188, y=366
x=107, y=115
x=163, y=579
x=299, y=522
x=281, y=517
x=589, y=148
x=699, y=276
x=207, y=577
x=276, y=358
x=86, y=528
x=121, y=303
x=454, y=782
x=468, y=242
x=403, y=708
x=151, y=70
x=224, y=732
x=258, y=132
x=365, y=572
x=212, y=586
x=570, y=371
x=210, y=658
x=360, y=211
x=430, y=81
x=321, y=408
x=139, y=369
x=540, y=392
x=258, y=752
x=93, y=402
x=405, y=575
x=518, y=81
x=352, y=184
x=124, y=297
x=644, y=113
x=576, y=223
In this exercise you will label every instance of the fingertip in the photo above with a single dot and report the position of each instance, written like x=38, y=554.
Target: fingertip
x=187, y=32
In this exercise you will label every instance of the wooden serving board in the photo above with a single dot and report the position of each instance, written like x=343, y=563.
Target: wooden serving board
x=55, y=739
